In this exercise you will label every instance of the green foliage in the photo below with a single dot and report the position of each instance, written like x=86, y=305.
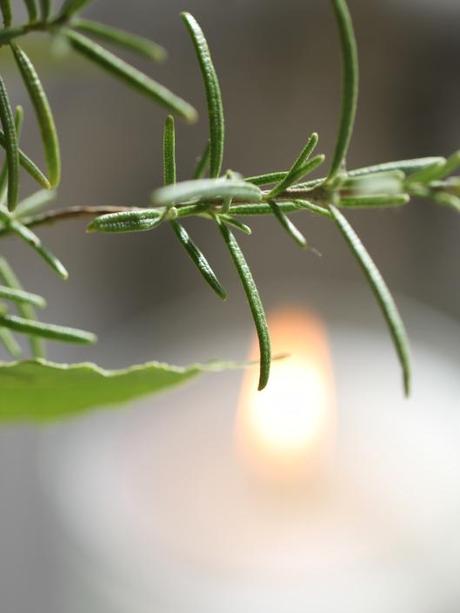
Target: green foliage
x=214, y=196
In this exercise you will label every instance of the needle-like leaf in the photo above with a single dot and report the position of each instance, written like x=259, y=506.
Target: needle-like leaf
x=287, y=224
x=43, y=112
x=255, y=303
x=18, y=121
x=45, y=9
x=350, y=82
x=375, y=200
x=70, y=7
x=11, y=146
x=268, y=178
x=32, y=11
x=21, y=296
x=35, y=202
x=35, y=242
x=169, y=151
x=206, y=189
x=303, y=156
x=26, y=310
x=202, y=164
x=406, y=166
x=28, y=165
x=213, y=95
x=130, y=75
x=295, y=174
x=127, y=221
x=231, y=221
x=5, y=7
x=50, y=331
x=131, y=42
x=199, y=259
x=382, y=294
x=10, y=343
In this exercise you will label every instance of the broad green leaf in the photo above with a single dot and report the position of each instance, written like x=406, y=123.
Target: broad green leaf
x=32, y=11
x=35, y=242
x=43, y=112
x=28, y=165
x=350, y=83
x=5, y=7
x=49, y=331
x=128, y=41
x=41, y=391
x=202, y=164
x=206, y=189
x=45, y=9
x=287, y=224
x=295, y=174
x=127, y=221
x=130, y=75
x=213, y=95
x=21, y=296
x=406, y=166
x=255, y=303
x=382, y=294
x=11, y=146
x=376, y=200
x=10, y=343
x=26, y=310
x=169, y=152
x=199, y=259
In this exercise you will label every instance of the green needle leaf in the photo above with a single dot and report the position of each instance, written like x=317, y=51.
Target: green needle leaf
x=131, y=42
x=377, y=200
x=31, y=10
x=5, y=7
x=199, y=259
x=295, y=174
x=11, y=146
x=169, y=151
x=26, y=310
x=255, y=303
x=406, y=166
x=18, y=121
x=43, y=112
x=267, y=178
x=21, y=296
x=70, y=7
x=206, y=189
x=382, y=294
x=130, y=75
x=45, y=9
x=231, y=221
x=350, y=81
x=213, y=95
x=35, y=202
x=10, y=343
x=49, y=331
x=35, y=242
x=287, y=224
x=202, y=164
x=127, y=221
x=56, y=391
x=300, y=161
x=28, y=164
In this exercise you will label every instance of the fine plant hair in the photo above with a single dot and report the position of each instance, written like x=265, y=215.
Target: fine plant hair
x=215, y=194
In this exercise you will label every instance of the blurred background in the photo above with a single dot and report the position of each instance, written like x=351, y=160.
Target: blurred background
x=279, y=70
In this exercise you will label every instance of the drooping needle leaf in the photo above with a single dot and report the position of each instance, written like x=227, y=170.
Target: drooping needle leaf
x=50, y=331
x=213, y=95
x=130, y=75
x=382, y=294
x=350, y=82
x=28, y=165
x=255, y=303
x=43, y=112
x=199, y=259
x=126, y=40
x=287, y=224
x=11, y=146
x=26, y=310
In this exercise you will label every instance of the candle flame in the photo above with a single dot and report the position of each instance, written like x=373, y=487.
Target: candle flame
x=285, y=433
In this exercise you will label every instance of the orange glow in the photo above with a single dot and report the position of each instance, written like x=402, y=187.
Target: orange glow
x=286, y=432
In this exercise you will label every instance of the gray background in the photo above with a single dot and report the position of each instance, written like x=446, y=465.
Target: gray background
x=280, y=76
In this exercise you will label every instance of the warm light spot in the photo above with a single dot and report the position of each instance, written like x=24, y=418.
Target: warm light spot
x=286, y=432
